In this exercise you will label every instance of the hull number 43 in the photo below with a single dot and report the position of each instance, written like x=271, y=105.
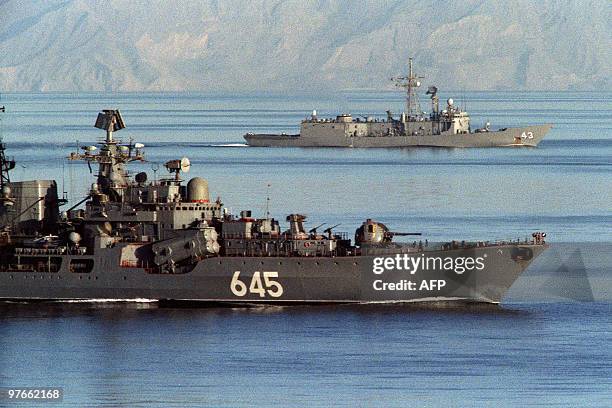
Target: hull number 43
x=262, y=287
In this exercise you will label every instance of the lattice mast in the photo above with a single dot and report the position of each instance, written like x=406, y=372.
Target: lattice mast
x=411, y=83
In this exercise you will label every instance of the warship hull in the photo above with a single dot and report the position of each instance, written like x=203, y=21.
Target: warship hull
x=348, y=279
x=529, y=136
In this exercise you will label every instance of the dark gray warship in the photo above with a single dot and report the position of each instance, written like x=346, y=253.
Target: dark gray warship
x=163, y=240
x=447, y=128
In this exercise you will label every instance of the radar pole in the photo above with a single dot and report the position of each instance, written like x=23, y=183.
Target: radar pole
x=268, y=202
x=411, y=83
x=5, y=164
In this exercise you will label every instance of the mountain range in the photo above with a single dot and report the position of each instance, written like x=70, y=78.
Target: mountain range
x=303, y=45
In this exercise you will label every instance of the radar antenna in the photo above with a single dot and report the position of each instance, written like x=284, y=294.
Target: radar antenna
x=178, y=166
x=111, y=157
x=411, y=83
x=111, y=121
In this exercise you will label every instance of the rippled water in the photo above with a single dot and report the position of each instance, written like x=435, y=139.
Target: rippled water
x=529, y=354
x=525, y=353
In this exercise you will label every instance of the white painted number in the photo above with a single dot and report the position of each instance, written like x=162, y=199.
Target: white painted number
x=269, y=285
x=527, y=135
x=272, y=283
x=256, y=286
x=238, y=287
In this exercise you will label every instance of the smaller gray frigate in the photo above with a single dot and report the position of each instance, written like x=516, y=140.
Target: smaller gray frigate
x=414, y=128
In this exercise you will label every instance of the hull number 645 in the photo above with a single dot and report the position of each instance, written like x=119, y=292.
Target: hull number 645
x=262, y=287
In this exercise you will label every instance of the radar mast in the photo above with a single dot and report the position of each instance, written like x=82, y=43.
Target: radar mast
x=6, y=165
x=411, y=83
x=112, y=157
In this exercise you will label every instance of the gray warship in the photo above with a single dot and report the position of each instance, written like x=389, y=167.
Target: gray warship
x=447, y=128
x=132, y=238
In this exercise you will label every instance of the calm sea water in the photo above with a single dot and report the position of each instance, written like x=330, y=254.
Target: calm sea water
x=545, y=346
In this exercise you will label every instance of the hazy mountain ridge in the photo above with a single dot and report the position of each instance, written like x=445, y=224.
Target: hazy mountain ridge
x=230, y=45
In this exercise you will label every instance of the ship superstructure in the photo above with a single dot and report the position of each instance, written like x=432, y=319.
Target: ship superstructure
x=132, y=238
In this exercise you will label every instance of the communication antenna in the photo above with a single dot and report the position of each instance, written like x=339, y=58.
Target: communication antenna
x=64, y=193
x=268, y=201
x=155, y=167
x=2, y=110
x=411, y=83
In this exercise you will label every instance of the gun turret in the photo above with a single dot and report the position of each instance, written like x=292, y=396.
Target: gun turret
x=313, y=231
x=403, y=234
x=372, y=232
x=328, y=231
